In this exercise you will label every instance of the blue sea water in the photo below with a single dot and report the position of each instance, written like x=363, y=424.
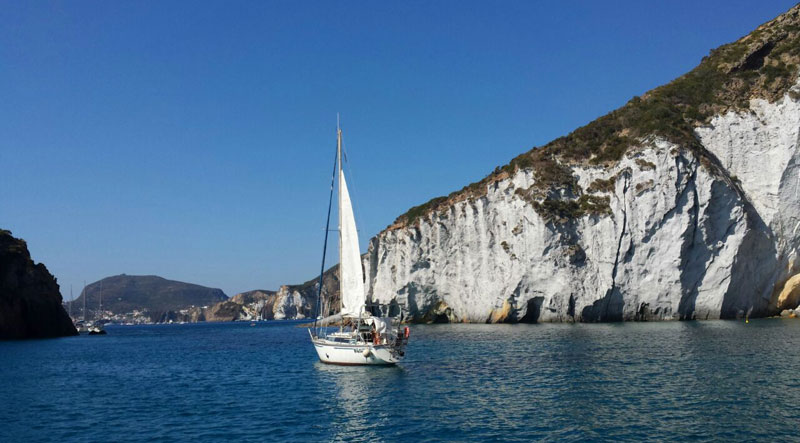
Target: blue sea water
x=715, y=380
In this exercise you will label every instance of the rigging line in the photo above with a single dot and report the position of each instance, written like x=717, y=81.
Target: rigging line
x=325, y=245
x=353, y=189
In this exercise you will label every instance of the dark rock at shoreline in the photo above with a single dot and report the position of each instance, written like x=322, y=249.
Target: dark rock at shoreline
x=30, y=301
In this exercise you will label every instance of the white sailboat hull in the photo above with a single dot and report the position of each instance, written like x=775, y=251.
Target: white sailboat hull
x=354, y=354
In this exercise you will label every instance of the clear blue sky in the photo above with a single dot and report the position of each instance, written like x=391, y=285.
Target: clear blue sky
x=194, y=140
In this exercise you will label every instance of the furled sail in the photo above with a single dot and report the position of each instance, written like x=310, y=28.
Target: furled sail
x=351, y=275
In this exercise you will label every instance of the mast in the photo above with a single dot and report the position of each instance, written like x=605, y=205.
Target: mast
x=327, y=230
x=339, y=161
x=101, y=300
x=84, y=301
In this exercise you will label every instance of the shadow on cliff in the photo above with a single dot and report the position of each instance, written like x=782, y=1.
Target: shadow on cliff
x=755, y=266
x=430, y=310
x=533, y=311
x=759, y=248
x=607, y=309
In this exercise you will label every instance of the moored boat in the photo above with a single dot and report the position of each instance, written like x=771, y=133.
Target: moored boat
x=88, y=327
x=367, y=334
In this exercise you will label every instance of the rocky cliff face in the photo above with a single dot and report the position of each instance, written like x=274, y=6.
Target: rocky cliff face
x=678, y=241
x=683, y=204
x=285, y=303
x=288, y=303
x=30, y=301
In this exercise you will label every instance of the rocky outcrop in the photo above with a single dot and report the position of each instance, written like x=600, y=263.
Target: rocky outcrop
x=30, y=301
x=193, y=314
x=290, y=302
x=286, y=303
x=227, y=310
x=790, y=294
x=683, y=204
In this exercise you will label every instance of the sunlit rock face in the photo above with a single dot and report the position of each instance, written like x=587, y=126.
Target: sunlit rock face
x=685, y=236
x=291, y=304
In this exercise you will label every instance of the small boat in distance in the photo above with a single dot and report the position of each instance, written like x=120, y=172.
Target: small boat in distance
x=82, y=325
x=367, y=334
x=96, y=329
x=90, y=327
x=99, y=324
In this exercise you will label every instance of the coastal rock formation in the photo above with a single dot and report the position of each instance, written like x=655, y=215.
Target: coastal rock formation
x=683, y=204
x=790, y=295
x=261, y=304
x=288, y=303
x=30, y=301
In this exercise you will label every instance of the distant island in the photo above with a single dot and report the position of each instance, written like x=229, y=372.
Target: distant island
x=143, y=299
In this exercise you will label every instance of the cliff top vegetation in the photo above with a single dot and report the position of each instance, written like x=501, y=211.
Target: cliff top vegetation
x=762, y=64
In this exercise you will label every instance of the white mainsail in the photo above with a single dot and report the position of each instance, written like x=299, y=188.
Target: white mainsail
x=351, y=276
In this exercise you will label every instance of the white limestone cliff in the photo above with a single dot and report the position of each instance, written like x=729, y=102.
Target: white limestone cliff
x=291, y=304
x=685, y=237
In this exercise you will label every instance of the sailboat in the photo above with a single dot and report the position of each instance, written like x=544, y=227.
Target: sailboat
x=368, y=334
x=97, y=328
x=83, y=325
x=90, y=327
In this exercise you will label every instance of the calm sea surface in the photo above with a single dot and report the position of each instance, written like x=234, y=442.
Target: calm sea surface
x=716, y=380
